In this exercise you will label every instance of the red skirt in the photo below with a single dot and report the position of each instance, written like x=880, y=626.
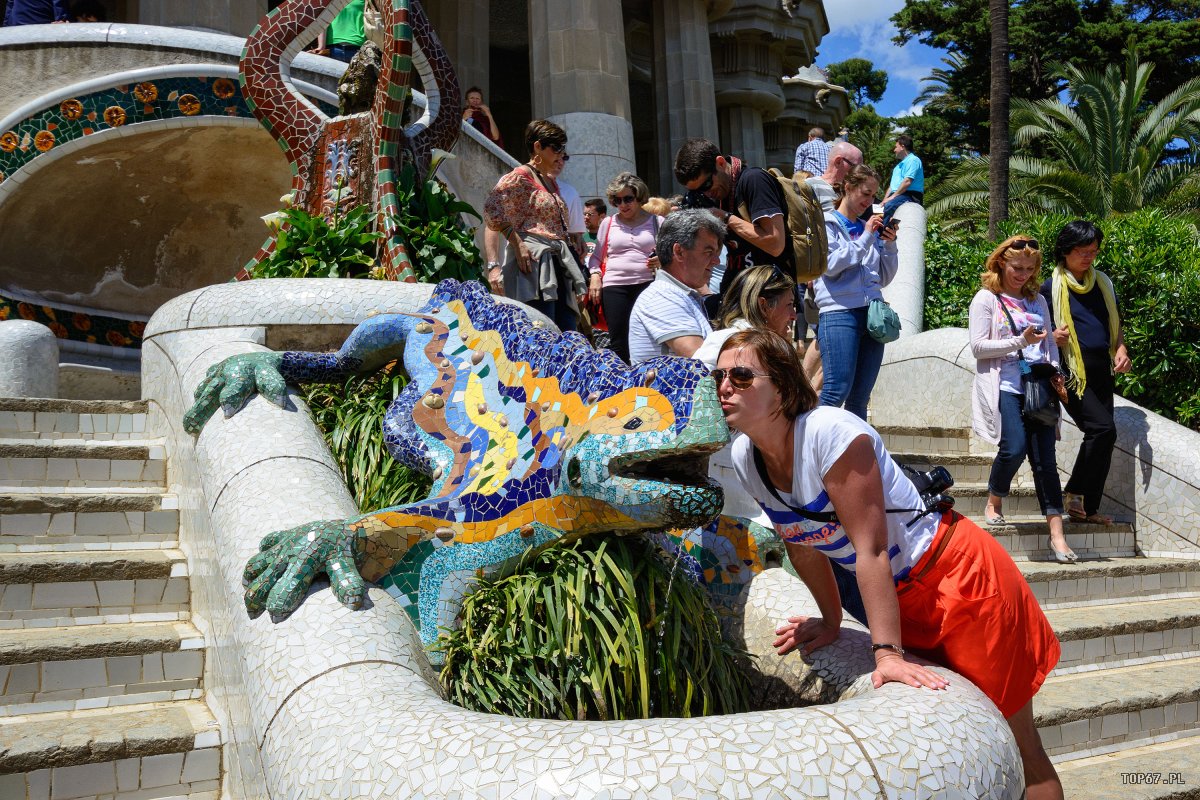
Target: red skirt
x=970, y=609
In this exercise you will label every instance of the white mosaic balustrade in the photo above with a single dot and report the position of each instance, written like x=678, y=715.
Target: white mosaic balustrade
x=926, y=381
x=338, y=703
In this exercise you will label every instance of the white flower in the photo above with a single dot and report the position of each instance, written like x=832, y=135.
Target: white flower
x=436, y=158
x=286, y=200
x=274, y=220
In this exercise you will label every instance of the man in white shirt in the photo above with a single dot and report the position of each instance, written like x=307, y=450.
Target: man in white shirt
x=668, y=317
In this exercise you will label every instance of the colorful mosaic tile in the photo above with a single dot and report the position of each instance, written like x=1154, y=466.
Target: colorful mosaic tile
x=77, y=325
x=529, y=436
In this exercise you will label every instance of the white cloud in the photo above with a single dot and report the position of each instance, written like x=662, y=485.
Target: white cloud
x=869, y=22
x=915, y=110
x=844, y=15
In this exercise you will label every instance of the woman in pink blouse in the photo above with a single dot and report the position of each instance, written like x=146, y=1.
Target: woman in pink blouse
x=526, y=208
x=623, y=263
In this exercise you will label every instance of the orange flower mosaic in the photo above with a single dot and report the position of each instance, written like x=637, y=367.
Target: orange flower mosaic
x=9, y=141
x=59, y=329
x=43, y=140
x=138, y=329
x=26, y=311
x=224, y=88
x=116, y=339
x=82, y=322
x=146, y=92
x=71, y=109
x=189, y=104
x=114, y=116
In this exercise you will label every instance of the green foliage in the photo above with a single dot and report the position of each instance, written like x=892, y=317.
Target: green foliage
x=860, y=78
x=588, y=630
x=933, y=141
x=309, y=247
x=350, y=415
x=439, y=245
x=1042, y=32
x=1104, y=149
x=872, y=134
x=1153, y=259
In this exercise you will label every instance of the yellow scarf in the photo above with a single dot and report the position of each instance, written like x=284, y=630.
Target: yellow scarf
x=1062, y=281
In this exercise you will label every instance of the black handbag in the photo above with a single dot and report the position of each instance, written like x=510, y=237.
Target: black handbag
x=1041, y=406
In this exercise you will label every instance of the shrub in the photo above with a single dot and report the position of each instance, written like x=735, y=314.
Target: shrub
x=1153, y=259
x=592, y=629
x=350, y=415
x=309, y=247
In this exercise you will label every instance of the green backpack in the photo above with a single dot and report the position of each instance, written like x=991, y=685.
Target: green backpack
x=805, y=225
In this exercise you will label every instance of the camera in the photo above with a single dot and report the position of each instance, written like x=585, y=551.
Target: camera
x=694, y=198
x=932, y=485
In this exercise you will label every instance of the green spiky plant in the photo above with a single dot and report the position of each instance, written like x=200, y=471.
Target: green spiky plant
x=593, y=629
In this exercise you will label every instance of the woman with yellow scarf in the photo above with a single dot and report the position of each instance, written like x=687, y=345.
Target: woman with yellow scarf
x=1088, y=333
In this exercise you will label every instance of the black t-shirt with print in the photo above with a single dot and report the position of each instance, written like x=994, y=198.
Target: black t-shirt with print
x=762, y=196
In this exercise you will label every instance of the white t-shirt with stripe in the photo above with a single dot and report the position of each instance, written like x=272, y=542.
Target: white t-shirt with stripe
x=821, y=438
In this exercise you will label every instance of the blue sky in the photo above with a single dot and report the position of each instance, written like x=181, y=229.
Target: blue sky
x=863, y=29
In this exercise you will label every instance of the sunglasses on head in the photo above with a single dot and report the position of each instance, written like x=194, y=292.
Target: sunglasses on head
x=620, y=201
x=739, y=377
x=1021, y=244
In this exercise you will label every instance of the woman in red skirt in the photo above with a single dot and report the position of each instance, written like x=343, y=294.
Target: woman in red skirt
x=933, y=584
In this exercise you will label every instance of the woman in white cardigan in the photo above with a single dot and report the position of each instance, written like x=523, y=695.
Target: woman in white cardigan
x=1009, y=299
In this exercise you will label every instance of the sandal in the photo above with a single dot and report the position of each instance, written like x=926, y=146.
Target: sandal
x=1075, y=510
x=1096, y=519
x=996, y=520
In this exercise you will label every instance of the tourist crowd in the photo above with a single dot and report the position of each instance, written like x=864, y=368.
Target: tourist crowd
x=712, y=275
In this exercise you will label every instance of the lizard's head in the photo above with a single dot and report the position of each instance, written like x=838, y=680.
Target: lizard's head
x=645, y=450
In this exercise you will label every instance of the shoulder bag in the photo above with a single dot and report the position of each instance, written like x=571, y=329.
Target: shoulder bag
x=1041, y=406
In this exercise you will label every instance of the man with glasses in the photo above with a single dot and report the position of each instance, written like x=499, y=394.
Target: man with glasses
x=668, y=317
x=843, y=157
x=760, y=239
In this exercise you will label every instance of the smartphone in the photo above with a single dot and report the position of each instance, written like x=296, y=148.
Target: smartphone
x=895, y=223
x=877, y=208
x=1039, y=330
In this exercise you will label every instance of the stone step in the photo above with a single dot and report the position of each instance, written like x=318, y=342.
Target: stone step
x=1098, y=637
x=905, y=439
x=970, y=498
x=150, y=750
x=97, y=666
x=38, y=418
x=51, y=464
x=967, y=468
x=1165, y=771
x=45, y=522
x=1027, y=538
x=1082, y=715
x=92, y=587
x=1111, y=581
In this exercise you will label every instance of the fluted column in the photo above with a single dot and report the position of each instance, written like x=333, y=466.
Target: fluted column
x=216, y=15
x=579, y=79
x=463, y=26
x=683, y=79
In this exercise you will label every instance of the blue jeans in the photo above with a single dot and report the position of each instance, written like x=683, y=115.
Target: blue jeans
x=343, y=52
x=850, y=359
x=1018, y=440
x=558, y=311
x=889, y=208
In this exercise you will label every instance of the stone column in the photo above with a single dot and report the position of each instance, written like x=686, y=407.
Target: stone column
x=580, y=80
x=464, y=27
x=216, y=15
x=906, y=293
x=683, y=80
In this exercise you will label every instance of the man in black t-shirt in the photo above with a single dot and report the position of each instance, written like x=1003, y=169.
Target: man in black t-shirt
x=763, y=238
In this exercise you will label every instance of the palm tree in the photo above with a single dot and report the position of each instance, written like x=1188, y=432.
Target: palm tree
x=998, y=148
x=1105, y=149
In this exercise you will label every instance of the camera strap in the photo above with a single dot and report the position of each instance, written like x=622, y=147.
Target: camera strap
x=822, y=516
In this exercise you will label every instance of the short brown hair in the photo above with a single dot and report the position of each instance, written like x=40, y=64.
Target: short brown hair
x=991, y=278
x=546, y=132
x=783, y=367
x=858, y=174
x=695, y=157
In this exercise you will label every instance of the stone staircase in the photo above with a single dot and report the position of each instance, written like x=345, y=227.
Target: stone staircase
x=101, y=671
x=1119, y=713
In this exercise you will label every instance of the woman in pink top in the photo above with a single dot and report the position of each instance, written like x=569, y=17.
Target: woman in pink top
x=623, y=263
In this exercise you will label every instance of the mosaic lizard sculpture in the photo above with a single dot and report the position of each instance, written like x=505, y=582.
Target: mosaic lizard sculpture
x=529, y=435
x=346, y=161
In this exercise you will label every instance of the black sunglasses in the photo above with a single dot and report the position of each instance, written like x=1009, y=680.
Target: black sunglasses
x=620, y=201
x=704, y=187
x=557, y=148
x=739, y=377
x=1021, y=244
